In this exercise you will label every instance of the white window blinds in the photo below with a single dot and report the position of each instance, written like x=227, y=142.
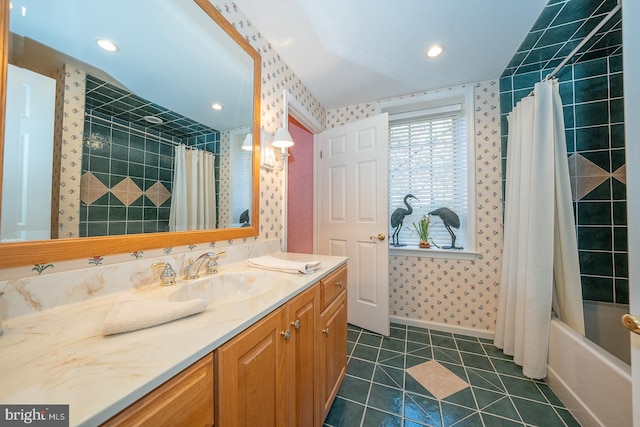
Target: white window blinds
x=428, y=158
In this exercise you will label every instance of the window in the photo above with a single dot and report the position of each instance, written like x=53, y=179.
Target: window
x=240, y=180
x=431, y=157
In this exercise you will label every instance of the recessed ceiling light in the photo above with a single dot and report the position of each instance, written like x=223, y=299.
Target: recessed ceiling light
x=434, y=51
x=107, y=45
x=153, y=119
x=217, y=106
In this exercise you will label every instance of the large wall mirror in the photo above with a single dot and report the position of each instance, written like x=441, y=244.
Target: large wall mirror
x=130, y=146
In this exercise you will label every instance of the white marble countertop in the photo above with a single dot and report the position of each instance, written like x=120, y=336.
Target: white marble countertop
x=59, y=357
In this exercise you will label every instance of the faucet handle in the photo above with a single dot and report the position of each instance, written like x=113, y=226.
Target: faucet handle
x=212, y=267
x=168, y=275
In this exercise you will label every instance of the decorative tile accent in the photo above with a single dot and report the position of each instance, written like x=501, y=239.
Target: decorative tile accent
x=157, y=193
x=91, y=188
x=585, y=176
x=591, y=88
x=115, y=149
x=440, y=381
x=621, y=174
x=388, y=395
x=585, y=167
x=276, y=77
x=127, y=191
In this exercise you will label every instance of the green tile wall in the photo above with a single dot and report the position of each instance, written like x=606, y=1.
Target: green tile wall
x=146, y=157
x=591, y=89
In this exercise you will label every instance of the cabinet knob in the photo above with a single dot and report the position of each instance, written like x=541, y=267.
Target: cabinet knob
x=325, y=331
x=339, y=284
x=286, y=334
x=296, y=324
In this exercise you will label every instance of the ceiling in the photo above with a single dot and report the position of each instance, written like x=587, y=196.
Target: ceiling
x=155, y=39
x=349, y=52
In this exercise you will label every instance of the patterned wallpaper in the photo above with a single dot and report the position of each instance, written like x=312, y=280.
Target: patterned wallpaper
x=276, y=78
x=224, y=178
x=455, y=292
x=71, y=152
x=461, y=293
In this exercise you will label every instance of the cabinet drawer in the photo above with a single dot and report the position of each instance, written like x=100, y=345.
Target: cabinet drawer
x=332, y=285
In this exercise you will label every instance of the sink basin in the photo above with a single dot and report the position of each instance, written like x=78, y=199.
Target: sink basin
x=227, y=287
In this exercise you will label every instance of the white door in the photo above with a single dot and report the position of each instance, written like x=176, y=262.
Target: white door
x=354, y=210
x=28, y=156
x=631, y=66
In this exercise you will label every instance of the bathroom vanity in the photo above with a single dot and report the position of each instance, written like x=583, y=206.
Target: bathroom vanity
x=275, y=358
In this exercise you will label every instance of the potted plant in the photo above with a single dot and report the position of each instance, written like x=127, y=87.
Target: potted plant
x=422, y=228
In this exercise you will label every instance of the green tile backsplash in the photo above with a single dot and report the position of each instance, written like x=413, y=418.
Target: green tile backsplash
x=591, y=88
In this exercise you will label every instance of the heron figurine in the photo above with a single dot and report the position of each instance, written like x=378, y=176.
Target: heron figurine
x=244, y=218
x=450, y=219
x=397, y=218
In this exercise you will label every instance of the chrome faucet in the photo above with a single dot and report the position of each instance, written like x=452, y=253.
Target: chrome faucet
x=191, y=271
x=168, y=275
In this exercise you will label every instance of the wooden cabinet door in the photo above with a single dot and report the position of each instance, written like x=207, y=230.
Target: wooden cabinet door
x=184, y=400
x=333, y=350
x=302, y=316
x=251, y=376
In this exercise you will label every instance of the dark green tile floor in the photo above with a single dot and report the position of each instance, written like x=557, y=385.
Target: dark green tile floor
x=378, y=392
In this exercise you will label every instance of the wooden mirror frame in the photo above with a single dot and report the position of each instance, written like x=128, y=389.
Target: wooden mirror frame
x=44, y=251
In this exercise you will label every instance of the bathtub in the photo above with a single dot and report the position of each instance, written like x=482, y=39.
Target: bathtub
x=594, y=385
x=602, y=326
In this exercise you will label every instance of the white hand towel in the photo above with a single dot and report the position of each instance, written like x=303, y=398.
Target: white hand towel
x=272, y=263
x=131, y=313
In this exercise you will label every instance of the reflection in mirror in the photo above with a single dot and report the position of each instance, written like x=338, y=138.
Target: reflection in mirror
x=108, y=130
x=91, y=137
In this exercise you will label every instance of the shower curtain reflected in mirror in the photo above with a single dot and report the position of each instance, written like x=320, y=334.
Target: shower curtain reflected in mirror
x=540, y=266
x=193, y=202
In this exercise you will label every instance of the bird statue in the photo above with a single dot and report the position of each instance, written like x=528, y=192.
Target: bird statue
x=244, y=218
x=398, y=217
x=450, y=219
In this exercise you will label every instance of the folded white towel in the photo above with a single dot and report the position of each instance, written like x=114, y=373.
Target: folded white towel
x=272, y=263
x=131, y=313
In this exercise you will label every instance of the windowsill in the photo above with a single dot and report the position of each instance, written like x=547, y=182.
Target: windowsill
x=415, y=251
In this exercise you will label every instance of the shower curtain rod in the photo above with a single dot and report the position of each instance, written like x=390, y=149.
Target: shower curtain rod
x=584, y=41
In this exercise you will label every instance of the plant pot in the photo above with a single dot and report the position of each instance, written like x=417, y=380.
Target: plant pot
x=424, y=245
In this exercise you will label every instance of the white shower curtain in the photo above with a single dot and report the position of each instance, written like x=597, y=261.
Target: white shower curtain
x=193, y=201
x=540, y=249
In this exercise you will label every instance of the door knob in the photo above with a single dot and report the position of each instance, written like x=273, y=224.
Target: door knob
x=631, y=322
x=380, y=237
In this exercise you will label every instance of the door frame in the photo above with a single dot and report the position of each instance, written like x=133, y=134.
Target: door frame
x=292, y=107
x=631, y=66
